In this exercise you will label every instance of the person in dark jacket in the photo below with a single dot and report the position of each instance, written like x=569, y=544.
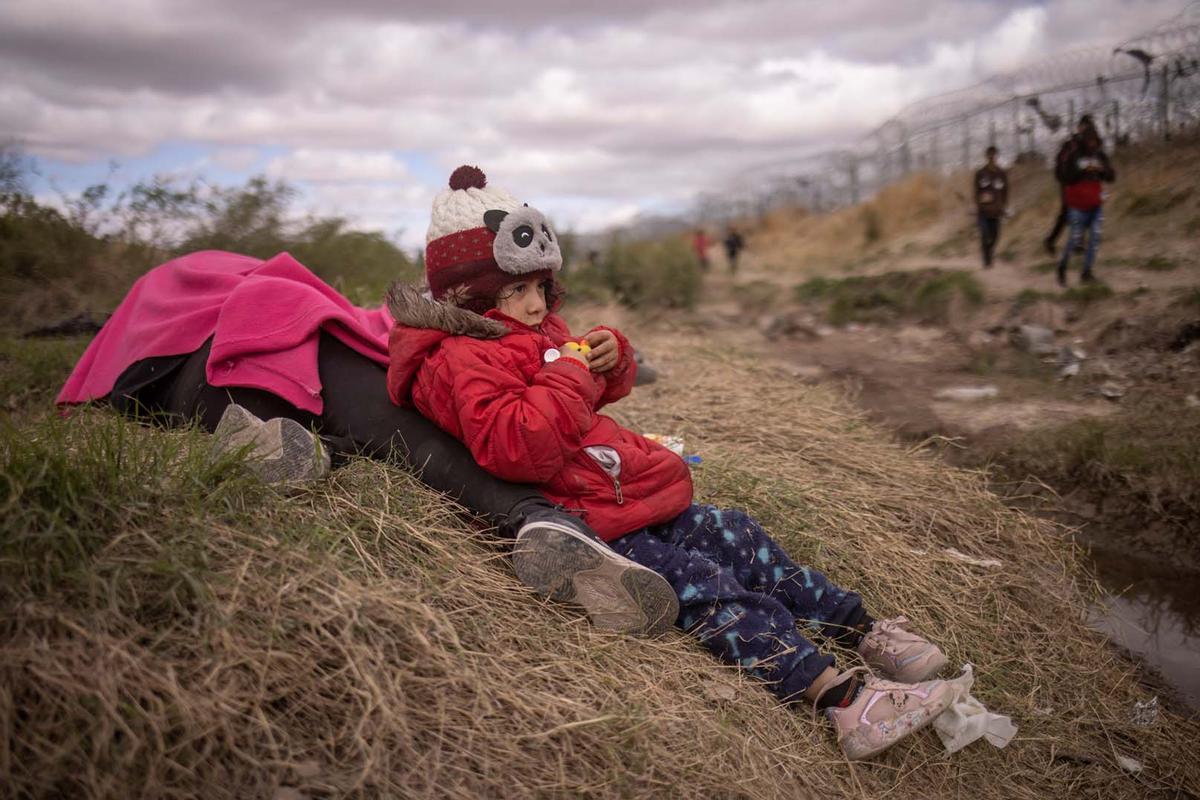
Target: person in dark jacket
x=991, y=203
x=734, y=243
x=487, y=358
x=1085, y=172
x=1065, y=153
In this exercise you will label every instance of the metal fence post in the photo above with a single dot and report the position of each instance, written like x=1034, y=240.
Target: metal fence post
x=1164, y=104
x=966, y=142
x=1016, y=128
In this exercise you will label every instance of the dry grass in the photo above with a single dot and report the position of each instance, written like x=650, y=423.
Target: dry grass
x=799, y=241
x=169, y=628
x=841, y=498
x=1151, y=218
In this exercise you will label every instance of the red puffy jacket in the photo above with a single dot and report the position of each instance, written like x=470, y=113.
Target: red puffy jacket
x=485, y=381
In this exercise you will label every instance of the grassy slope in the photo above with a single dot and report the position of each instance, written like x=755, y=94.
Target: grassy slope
x=170, y=628
x=1152, y=219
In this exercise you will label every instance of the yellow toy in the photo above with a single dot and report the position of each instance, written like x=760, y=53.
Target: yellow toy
x=582, y=346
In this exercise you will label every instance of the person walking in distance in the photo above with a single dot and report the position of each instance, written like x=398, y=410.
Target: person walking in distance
x=1085, y=173
x=700, y=245
x=991, y=202
x=733, y=248
x=1068, y=151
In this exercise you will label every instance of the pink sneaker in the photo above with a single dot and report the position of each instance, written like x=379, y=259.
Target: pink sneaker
x=899, y=654
x=884, y=713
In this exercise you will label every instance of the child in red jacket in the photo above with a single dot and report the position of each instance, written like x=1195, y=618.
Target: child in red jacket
x=488, y=360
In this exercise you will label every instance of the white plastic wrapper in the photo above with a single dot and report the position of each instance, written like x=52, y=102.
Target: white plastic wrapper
x=672, y=443
x=967, y=719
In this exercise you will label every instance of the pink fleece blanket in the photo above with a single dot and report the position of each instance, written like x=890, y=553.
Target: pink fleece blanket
x=264, y=317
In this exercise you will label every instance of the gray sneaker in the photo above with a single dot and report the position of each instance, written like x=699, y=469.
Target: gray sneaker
x=557, y=557
x=279, y=450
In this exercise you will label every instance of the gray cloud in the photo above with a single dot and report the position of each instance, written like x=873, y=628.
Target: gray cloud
x=622, y=102
x=188, y=55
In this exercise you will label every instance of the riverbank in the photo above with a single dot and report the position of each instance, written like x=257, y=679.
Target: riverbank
x=186, y=622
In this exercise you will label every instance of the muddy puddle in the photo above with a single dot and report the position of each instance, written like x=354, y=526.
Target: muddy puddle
x=1151, y=612
x=900, y=377
x=1156, y=618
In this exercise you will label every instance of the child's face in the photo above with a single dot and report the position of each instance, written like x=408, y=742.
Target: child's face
x=524, y=301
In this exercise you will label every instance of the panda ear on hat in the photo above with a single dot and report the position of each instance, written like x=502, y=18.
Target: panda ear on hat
x=492, y=219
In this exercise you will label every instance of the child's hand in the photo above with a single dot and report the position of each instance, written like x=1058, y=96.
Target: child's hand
x=605, y=350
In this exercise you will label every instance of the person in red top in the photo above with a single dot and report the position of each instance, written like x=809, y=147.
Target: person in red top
x=1084, y=171
x=487, y=358
x=700, y=244
x=1065, y=153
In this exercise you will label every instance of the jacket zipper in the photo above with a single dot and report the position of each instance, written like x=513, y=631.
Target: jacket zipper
x=616, y=481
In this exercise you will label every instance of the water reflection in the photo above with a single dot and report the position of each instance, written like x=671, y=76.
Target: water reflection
x=1155, y=616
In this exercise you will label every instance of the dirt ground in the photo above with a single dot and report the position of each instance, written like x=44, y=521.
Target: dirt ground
x=906, y=375
x=912, y=376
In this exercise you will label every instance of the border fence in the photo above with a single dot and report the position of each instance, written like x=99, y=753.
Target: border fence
x=1141, y=89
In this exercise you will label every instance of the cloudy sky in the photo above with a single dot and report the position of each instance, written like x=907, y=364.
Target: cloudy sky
x=593, y=111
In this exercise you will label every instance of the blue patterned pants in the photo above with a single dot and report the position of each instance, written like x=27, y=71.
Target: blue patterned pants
x=741, y=595
x=1090, y=222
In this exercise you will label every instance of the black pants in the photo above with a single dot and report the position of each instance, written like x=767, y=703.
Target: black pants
x=989, y=234
x=1060, y=222
x=358, y=418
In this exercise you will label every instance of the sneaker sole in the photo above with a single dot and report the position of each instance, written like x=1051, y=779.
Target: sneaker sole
x=281, y=451
x=617, y=594
x=300, y=458
x=234, y=420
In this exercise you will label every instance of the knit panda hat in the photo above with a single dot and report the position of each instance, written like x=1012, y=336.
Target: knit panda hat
x=481, y=239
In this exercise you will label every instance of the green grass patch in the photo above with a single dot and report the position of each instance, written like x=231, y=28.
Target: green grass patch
x=1157, y=264
x=1151, y=451
x=925, y=295
x=1190, y=299
x=815, y=288
x=1154, y=203
x=983, y=362
x=1154, y=263
x=33, y=370
x=1044, y=267
x=755, y=297
x=1027, y=297
x=1088, y=293
x=646, y=274
x=70, y=487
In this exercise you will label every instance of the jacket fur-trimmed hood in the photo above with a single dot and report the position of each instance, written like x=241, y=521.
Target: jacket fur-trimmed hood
x=413, y=308
x=422, y=324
